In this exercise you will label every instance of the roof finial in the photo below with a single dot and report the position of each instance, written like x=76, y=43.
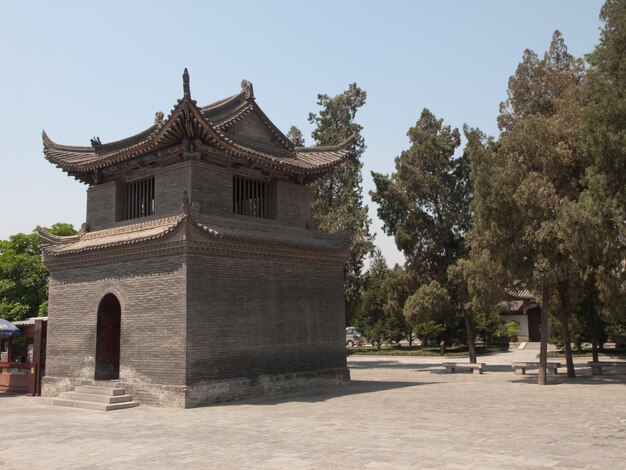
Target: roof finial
x=246, y=87
x=186, y=92
x=96, y=144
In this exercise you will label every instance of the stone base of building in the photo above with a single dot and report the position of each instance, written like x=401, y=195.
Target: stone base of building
x=264, y=385
x=206, y=393
x=167, y=396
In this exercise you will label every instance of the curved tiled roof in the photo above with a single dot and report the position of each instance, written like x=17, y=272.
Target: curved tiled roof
x=138, y=233
x=118, y=236
x=210, y=124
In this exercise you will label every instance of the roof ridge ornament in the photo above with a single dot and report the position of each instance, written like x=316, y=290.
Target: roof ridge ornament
x=246, y=88
x=95, y=143
x=186, y=91
x=158, y=117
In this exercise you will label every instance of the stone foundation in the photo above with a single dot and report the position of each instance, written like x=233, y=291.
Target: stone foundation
x=179, y=396
x=264, y=385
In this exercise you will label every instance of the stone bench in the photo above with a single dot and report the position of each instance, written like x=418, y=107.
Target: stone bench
x=451, y=367
x=520, y=367
x=596, y=367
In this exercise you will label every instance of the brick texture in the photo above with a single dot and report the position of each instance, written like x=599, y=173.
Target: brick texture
x=101, y=207
x=249, y=317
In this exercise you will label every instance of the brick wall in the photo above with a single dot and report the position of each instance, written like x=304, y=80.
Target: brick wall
x=249, y=317
x=152, y=296
x=209, y=186
x=212, y=189
x=293, y=204
x=101, y=207
x=170, y=182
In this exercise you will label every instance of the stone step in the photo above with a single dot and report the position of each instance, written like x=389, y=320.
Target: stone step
x=99, y=390
x=97, y=398
x=90, y=405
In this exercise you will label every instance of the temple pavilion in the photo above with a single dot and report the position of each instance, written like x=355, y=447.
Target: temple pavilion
x=197, y=276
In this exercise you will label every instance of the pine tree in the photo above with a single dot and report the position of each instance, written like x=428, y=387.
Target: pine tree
x=337, y=197
x=523, y=182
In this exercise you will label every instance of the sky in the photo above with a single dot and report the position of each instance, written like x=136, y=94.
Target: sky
x=80, y=69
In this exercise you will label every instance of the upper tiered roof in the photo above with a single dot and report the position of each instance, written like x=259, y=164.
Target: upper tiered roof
x=223, y=125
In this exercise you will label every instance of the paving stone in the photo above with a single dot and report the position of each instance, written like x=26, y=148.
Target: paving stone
x=398, y=413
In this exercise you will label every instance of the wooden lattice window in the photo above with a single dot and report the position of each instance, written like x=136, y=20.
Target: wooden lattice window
x=251, y=197
x=139, y=200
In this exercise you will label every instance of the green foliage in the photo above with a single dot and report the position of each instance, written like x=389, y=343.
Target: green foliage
x=400, y=284
x=424, y=203
x=430, y=330
x=512, y=329
x=487, y=325
x=596, y=228
x=62, y=229
x=372, y=319
x=23, y=277
x=430, y=303
x=336, y=198
x=537, y=166
x=295, y=136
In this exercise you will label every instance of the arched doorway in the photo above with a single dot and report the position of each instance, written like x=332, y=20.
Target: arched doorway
x=108, y=338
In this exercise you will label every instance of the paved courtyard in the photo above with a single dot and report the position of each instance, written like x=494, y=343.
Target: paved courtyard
x=398, y=413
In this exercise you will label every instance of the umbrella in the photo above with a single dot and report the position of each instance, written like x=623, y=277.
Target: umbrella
x=8, y=329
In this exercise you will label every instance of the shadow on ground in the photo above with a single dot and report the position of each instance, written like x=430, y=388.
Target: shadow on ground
x=583, y=377
x=389, y=364
x=355, y=387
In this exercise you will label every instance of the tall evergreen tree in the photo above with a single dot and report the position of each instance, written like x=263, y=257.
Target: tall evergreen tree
x=337, y=198
x=372, y=318
x=536, y=167
x=400, y=285
x=594, y=225
x=424, y=203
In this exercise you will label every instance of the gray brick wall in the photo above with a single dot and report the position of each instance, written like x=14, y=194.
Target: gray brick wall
x=209, y=186
x=170, y=182
x=199, y=328
x=249, y=317
x=293, y=204
x=101, y=207
x=152, y=296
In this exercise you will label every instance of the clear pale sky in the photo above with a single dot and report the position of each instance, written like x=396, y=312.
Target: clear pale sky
x=80, y=69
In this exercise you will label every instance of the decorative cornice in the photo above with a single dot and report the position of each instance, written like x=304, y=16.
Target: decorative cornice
x=163, y=248
x=184, y=233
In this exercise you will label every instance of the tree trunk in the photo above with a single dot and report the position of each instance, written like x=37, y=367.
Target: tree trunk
x=564, y=318
x=594, y=347
x=469, y=328
x=543, y=348
x=589, y=306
